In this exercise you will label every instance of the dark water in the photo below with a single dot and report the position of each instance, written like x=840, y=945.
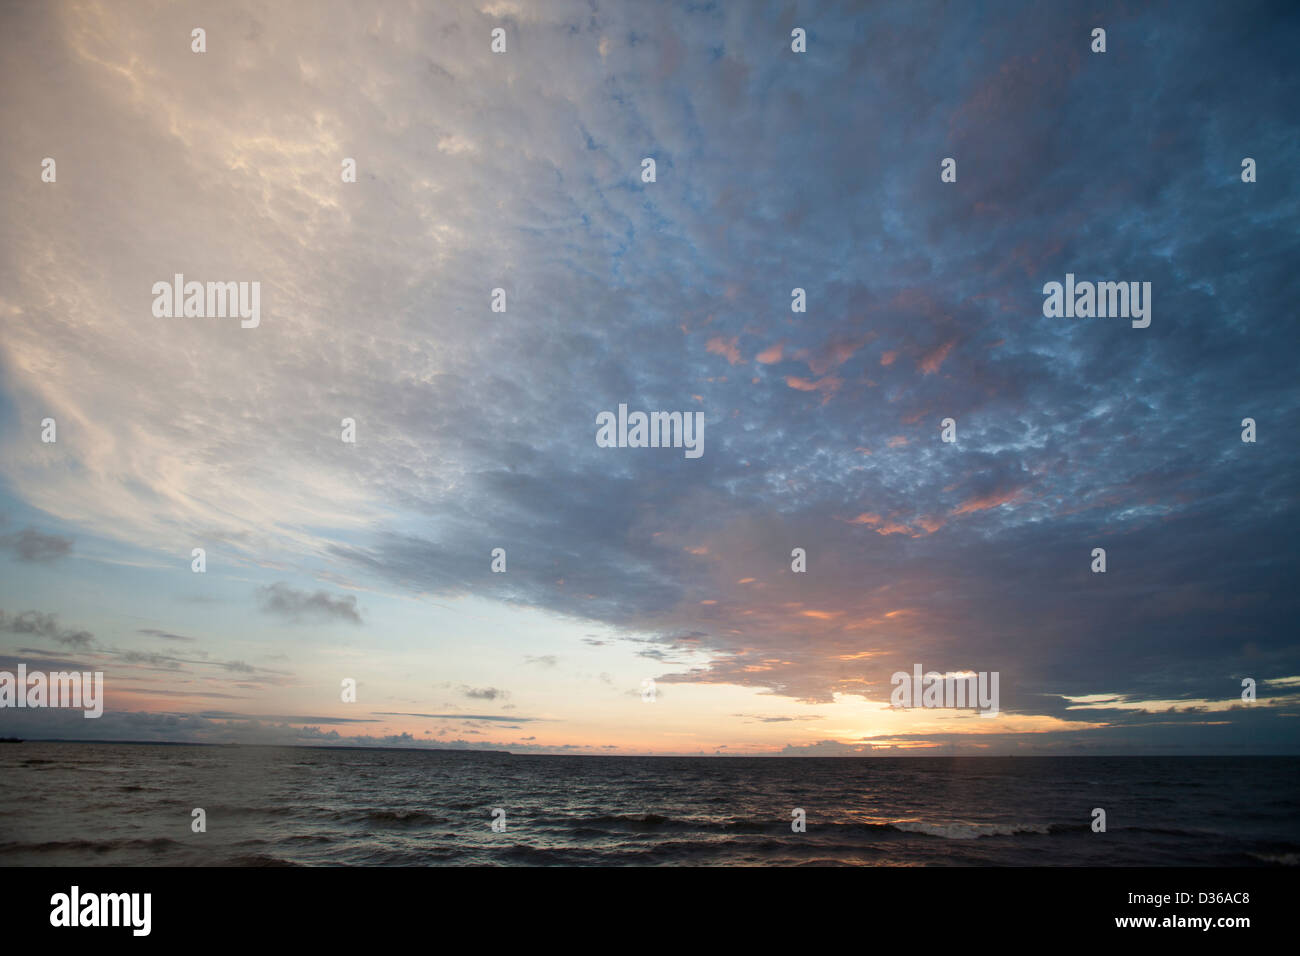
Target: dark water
x=127, y=804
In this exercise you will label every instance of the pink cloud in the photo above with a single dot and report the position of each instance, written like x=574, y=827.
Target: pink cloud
x=931, y=523
x=931, y=361
x=836, y=354
x=985, y=502
x=866, y=518
x=724, y=347
x=894, y=527
x=828, y=385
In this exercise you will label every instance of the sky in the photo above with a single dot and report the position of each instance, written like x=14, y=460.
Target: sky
x=635, y=568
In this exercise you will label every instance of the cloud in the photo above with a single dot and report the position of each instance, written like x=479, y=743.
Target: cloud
x=281, y=600
x=778, y=719
x=280, y=718
x=166, y=635
x=931, y=361
x=500, y=718
x=724, y=347
x=45, y=625
x=828, y=385
x=527, y=176
x=484, y=693
x=152, y=660
x=34, y=546
x=985, y=502
x=168, y=662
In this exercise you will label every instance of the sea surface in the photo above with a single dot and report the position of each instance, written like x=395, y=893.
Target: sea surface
x=131, y=804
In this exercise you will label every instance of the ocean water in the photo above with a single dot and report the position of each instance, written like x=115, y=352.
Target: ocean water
x=131, y=804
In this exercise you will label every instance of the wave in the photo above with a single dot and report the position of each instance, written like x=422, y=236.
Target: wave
x=630, y=821
x=965, y=830
x=390, y=817
x=257, y=859
x=99, y=846
x=589, y=826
